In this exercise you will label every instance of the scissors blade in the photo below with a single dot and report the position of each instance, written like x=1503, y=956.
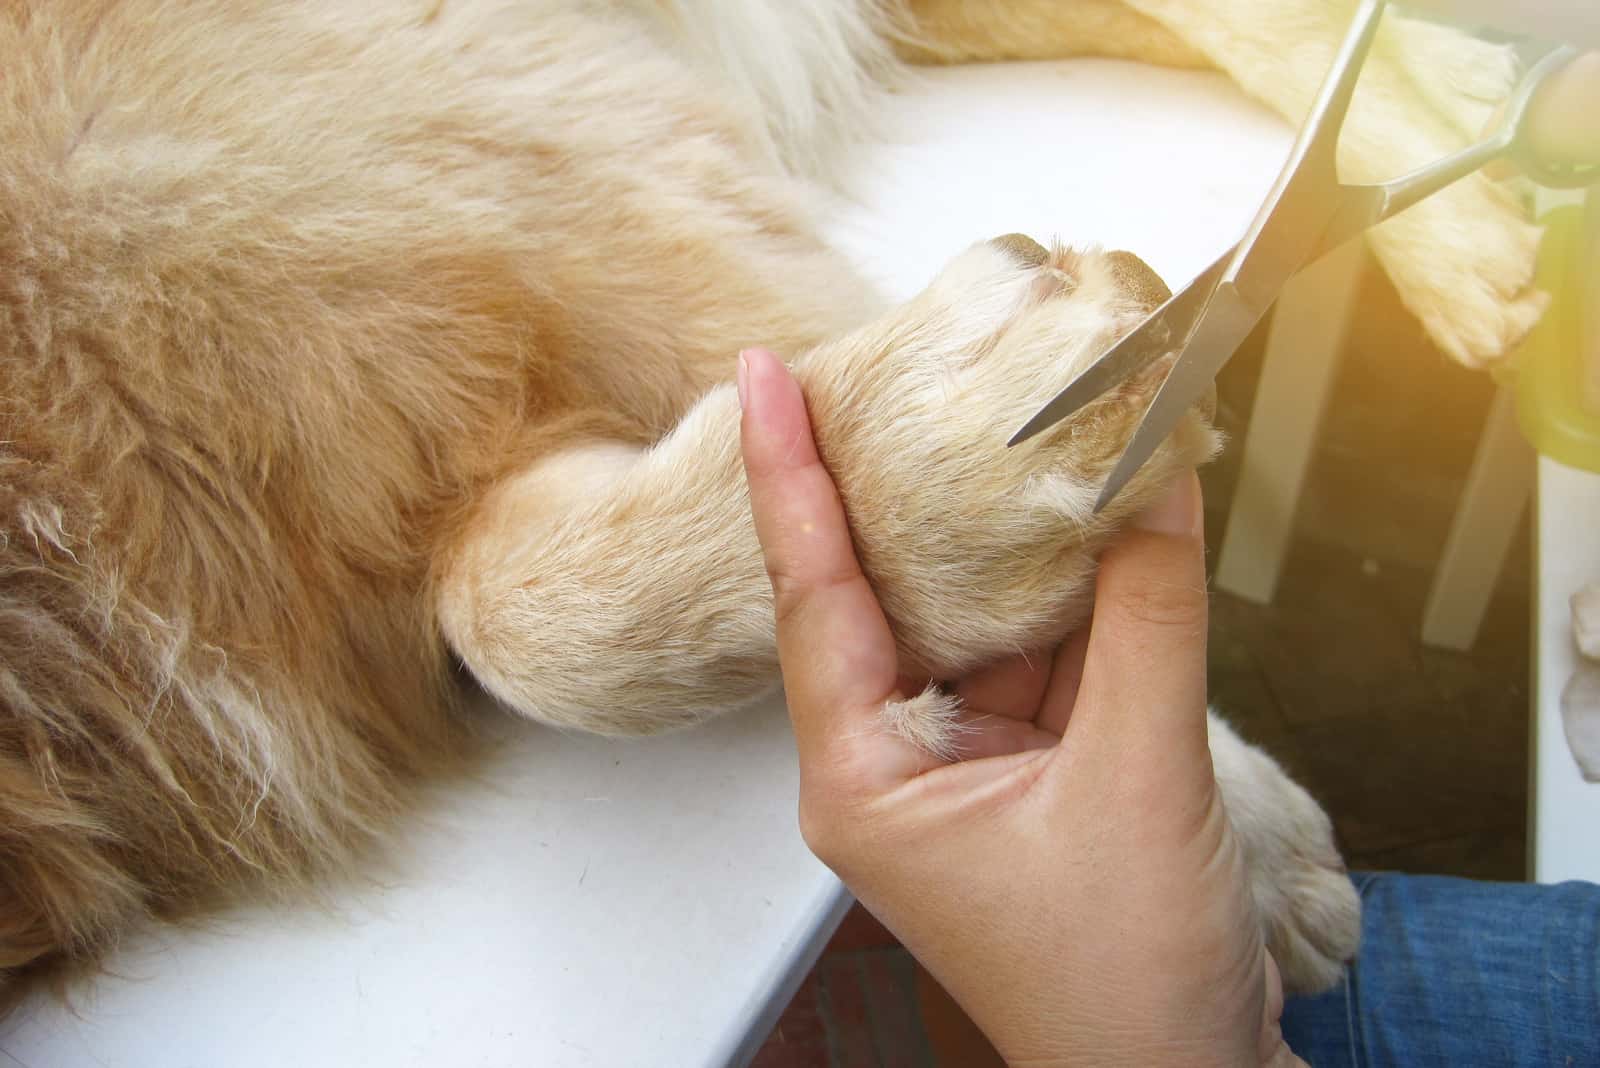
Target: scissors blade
x=1229, y=318
x=1162, y=331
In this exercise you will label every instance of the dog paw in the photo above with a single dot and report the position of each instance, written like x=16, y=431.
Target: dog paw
x=1462, y=77
x=977, y=550
x=1312, y=918
x=1462, y=262
x=1310, y=911
x=1463, y=259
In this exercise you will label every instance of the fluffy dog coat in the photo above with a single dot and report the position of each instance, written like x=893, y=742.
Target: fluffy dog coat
x=340, y=338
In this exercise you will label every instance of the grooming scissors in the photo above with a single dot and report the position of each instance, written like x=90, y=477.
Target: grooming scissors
x=1308, y=214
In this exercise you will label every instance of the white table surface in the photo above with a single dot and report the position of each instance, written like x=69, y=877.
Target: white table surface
x=604, y=903
x=1565, y=818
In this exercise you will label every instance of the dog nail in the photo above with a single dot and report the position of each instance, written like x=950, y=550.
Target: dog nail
x=1024, y=249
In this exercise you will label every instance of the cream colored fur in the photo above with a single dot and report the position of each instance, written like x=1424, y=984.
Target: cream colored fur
x=644, y=603
x=338, y=340
x=1462, y=259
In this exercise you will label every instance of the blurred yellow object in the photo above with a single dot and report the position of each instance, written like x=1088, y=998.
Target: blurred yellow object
x=1549, y=371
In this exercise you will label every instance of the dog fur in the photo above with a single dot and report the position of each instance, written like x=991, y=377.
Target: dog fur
x=343, y=342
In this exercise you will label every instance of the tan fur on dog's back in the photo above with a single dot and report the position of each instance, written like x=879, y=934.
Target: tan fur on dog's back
x=276, y=306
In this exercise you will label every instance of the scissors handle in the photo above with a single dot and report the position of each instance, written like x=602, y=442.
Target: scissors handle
x=1555, y=176
x=1364, y=206
x=1509, y=137
x=1308, y=213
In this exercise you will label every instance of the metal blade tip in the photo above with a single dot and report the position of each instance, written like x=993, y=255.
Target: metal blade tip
x=1114, y=485
x=1028, y=430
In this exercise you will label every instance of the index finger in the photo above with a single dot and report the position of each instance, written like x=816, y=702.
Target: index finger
x=835, y=647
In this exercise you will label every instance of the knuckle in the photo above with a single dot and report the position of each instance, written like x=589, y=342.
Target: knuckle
x=820, y=830
x=835, y=829
x=1163, y=603
x=793, y=594
x=788, y=594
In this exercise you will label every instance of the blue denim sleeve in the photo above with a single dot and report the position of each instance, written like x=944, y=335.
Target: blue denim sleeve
x=1454, y=972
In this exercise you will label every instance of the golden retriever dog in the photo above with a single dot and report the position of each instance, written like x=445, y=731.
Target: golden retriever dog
x=352, y=354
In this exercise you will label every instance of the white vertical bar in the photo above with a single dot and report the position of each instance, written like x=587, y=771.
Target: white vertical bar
x=1564, y=836
x=1481, y=533
x=1303, y=345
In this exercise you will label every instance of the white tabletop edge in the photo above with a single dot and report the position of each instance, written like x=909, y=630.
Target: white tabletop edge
x=788, y=972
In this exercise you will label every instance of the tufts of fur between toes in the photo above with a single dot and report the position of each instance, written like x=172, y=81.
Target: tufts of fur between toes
x=931, y=721
x=1320, y=934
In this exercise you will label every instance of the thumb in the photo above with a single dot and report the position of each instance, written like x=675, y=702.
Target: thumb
x=1144, y=674
x=1563, y=124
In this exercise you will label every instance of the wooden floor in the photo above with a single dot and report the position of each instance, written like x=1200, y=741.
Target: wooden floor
x=1420, y=756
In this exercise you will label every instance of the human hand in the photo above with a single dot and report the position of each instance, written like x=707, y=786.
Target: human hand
x=1563, y=122
x=1564, y=127
x=1073, y=881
